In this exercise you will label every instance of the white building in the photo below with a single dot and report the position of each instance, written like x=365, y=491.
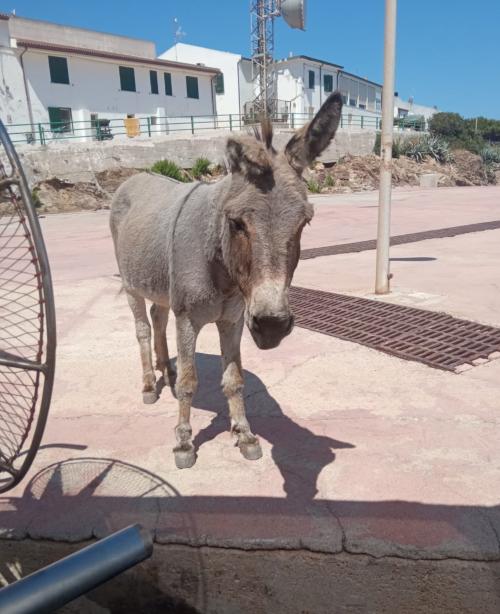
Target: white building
x=407, y=108
x=233, y=86
x=302, y=84
x=62, y=79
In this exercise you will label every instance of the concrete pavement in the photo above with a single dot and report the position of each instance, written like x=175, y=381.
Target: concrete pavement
x=364, y=454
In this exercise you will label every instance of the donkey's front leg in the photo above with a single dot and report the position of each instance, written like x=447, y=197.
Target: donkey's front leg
x=232, y=385
x=187, y=333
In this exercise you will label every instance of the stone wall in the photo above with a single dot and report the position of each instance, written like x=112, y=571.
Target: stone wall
x=80, y=161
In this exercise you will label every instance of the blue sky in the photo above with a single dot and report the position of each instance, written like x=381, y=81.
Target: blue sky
x=448, y=51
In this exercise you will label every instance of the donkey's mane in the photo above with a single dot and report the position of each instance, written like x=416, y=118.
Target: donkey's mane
x=265, y=134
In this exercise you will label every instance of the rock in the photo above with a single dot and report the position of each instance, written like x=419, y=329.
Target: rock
x=429, y=180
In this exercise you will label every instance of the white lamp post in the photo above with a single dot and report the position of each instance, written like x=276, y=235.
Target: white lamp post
x=384, y=206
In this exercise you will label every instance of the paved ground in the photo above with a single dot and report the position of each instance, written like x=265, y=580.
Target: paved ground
x=363, y=452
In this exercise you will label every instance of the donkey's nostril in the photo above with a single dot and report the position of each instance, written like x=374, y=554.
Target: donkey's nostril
x=255, y=326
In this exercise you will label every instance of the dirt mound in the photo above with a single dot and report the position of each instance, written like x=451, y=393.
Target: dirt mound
x=469, y=169
x=359, y=173
x=57, y=196
x=112, y=179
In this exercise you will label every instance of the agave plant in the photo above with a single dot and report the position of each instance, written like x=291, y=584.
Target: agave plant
x=420, y=147
x=490, y=155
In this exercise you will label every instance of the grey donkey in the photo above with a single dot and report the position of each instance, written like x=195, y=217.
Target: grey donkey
x=224, y=253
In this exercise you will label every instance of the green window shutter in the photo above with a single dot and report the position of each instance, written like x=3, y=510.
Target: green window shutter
x=192, y=87
x=219, y=84
x=58, y=68
x=153, y=79
x=311, y=79
x=328, y=83
x=168, y=83
x=127, y=79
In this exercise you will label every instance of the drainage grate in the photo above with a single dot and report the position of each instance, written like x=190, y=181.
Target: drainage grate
x=435, y=339
x=361, y=246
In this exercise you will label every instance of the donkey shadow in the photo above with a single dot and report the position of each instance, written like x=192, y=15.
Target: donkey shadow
x=299, y=454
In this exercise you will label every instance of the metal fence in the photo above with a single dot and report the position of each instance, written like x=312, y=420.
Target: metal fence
x=43, y=133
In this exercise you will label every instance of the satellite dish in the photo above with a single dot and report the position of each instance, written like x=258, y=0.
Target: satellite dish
x=294, y=13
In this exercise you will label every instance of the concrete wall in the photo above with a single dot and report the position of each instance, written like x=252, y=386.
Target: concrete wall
x=80, y=161
x=226, y=580
x=44, y=31
x=225, y=103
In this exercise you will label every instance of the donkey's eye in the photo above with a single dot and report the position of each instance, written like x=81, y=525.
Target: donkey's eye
x=237, y=225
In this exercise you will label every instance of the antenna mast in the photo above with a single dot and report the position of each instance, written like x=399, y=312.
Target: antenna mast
x=262, y=14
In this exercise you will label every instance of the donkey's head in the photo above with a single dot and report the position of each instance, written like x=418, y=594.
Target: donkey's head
x=264, y=214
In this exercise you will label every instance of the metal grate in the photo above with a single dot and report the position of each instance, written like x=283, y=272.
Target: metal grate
x=27, y=323
x=361, y=246
x=435, y=339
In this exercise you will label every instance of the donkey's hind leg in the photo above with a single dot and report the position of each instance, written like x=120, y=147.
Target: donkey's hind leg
x=187, y=333
x=232, y=385
x=143, y=334
x=159, y=317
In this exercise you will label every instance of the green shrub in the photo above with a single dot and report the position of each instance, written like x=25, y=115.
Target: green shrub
x=420, y=147
x=329, y=181
x=200, y=168
x=313, y=186
x=488, y=129
x=449, y=125
x=490, y=155
x=35, y=197
x=169, y=169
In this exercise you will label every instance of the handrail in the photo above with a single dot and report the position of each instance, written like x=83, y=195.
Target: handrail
x=101, y=129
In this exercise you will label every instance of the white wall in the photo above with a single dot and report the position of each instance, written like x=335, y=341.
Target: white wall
x=247, y=85
x=13, y=107
x=229, y=101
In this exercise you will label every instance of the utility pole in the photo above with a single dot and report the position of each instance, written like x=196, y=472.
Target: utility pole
x=384, y=202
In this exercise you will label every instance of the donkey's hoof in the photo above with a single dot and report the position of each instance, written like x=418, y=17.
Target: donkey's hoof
x=251, y=451
x=149, y=397
x=185, y=457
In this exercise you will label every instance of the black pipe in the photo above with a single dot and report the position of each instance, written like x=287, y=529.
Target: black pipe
x=52, y=587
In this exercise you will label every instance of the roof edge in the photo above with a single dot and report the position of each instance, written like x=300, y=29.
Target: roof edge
x=108, y=55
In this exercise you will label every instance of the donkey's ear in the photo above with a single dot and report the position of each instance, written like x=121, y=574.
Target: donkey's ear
x=247, y=156
x=306, y=144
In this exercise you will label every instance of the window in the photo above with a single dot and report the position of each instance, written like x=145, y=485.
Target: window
x=328, y=83
x=192, y=87
x=167, y=77
x=353, y=92
x=371, y=98
x=60, y=120
x=311, y=79
x=153, y=120
x=363, y=95
x=219, y=84
x=153, y=80
x=127, y=79
x=94, y=120
x=58, y=68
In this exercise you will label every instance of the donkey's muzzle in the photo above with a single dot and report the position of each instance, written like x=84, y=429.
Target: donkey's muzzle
x=268, y=331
